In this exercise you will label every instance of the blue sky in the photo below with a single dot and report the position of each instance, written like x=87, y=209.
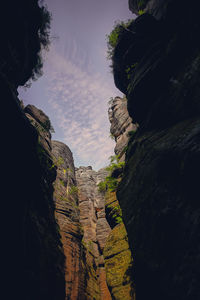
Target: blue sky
x=77, y=82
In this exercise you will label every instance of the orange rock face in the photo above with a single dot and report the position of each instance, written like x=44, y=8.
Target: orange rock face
x=95, y=230
x=67, y=215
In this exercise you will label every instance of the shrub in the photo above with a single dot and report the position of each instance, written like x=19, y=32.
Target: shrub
x=113, y=37
x=73, y=190
x=110, y=183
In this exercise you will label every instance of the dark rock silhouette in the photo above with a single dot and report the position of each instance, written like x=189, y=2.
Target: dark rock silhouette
x=159, y=191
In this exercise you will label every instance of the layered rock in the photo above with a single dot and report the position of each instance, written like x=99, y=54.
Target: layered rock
x=95, y=228
x=30, y=242
x=67, y=215
x=117, y=254
x=121, y=125
x=37, y=257
x=159, y=190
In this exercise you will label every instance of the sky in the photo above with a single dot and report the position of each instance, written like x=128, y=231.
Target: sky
x=77, y=82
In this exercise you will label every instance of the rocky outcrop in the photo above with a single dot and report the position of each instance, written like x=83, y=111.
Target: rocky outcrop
x=117, y=254
x=31, y=241
x=33, y=262
x=122, y=126
x=159, y=190
x=95, y=230
x=67, y=215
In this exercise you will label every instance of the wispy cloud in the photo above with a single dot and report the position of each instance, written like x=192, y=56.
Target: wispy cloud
x=79, y=100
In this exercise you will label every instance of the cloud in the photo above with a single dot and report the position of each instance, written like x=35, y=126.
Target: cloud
x=79, y=99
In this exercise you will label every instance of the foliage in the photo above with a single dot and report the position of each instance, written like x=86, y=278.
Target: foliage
x=131, y=133
x=113, y=37
x=48, y=126
x=112, y=136
x=141, y=12
x=141, y=4
x=25, y=29
x=73, y=190
x=129, y=70
x=110, y=183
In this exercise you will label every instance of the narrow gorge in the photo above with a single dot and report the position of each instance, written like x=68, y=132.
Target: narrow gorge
x=130, y=230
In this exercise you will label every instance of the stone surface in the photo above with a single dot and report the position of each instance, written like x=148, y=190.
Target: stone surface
x=159, y=190
x=117, y=254
x=34, y=252
x=95, y=228
x=121, y=125
x=67, y=215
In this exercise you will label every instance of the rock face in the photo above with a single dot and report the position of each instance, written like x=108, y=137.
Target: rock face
x=95, y=228
x=33, y=261
x=117, y=254
x=67, y=215
x=121, y=125
x=34, y=251
x=159, y=190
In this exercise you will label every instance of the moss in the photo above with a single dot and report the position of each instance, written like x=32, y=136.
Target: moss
x=118, y=261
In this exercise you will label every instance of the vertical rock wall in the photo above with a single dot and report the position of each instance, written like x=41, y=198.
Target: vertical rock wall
x=159, y=191
x=95, y=228
x=67, y=215
x=117, y=254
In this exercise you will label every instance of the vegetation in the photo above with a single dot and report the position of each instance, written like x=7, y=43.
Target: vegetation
x=26, y=28
x=48, y=126
x=130, y=69
x=131, y=133
x=110, y=183
x=73, y=190
x=112, y=136
x=141, y=12
x=113, y=37
x=141, y=4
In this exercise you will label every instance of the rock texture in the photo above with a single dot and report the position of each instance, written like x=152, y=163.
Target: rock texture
x=34, y=251
x=121, y=125
x=159, y=190
x=67, y=215
x=117, y=254
x=95, y=228
x=32, y=264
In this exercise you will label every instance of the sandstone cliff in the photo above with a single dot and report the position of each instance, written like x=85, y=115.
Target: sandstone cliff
x=67, y=215
x=156, y=64
x=32, y=260
x=117, y=254
x=95, y=228
x=122, y=125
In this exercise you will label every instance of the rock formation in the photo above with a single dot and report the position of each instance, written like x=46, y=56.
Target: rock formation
x=159, y=190
x=122, y=125
x=95, y=228
x=117, y=254
x=32, y=260
x=67, y=215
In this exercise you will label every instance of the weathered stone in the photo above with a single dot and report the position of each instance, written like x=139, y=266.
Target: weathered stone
x=118, y=262
x=159, y=190
x=121, y=125
x=95, y=228
x=67, y=215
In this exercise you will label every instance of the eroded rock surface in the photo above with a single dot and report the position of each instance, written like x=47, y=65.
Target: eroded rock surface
x=117, y=253
x=121, y=125
x=159, y=190
x=95, y=228
x=67, y=215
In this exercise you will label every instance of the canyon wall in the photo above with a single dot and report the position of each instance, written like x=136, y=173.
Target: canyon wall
x=32, y=257
x=95, y=230
x=156, y=64
x=117, y=254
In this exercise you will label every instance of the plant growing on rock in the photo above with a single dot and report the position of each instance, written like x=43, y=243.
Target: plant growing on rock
x=113, y=37
x=110, y=183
